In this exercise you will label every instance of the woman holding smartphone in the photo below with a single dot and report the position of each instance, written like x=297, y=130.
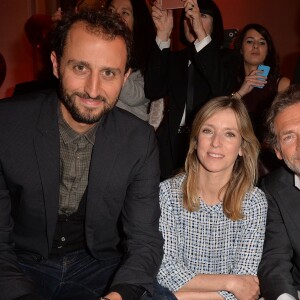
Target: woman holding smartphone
x=255, y=46
x=212, y=215
x=189, y=77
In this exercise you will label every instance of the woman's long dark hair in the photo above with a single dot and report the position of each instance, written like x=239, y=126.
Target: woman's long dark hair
x=271, y=58
x=143, y=34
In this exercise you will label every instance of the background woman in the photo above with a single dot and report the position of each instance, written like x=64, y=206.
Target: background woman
x=187, y=78
x=137, y=16
x=255, y=46
x=213, y=217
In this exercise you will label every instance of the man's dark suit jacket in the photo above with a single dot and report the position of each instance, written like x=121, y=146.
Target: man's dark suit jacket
x=279, y=270
x=167, y=76
x=123, y=186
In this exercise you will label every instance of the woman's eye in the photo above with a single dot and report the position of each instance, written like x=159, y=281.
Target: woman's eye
x=249, y=41
x=262, y=43
x=230, y=134
x=206, y=131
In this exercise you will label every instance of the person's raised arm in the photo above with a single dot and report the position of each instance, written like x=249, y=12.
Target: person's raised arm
x=163, y=21
x=156, y=75
x=193, y=13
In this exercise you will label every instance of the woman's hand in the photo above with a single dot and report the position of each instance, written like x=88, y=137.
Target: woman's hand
x=244, y=287
x=253, y=79
x=163, y=20
x=193, y=26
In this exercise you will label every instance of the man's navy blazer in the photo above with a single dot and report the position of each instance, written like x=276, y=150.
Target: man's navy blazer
x=279, y=270
x=123, y=187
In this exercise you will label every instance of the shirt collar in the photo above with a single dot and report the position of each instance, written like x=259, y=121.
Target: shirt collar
x=297, y=181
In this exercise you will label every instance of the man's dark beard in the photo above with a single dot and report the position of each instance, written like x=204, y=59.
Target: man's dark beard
x=69, y=103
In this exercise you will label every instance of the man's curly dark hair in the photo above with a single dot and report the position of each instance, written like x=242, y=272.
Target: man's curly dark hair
x=102, y=22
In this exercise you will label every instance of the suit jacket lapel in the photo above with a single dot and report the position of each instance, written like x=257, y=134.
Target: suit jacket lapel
x=103, y=159
x=47, y=152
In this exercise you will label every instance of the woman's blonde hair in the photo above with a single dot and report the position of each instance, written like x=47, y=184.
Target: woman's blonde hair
x=244, y=173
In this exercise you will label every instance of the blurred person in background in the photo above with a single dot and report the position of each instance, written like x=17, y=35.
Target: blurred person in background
x=136, y=15
x=187, y=78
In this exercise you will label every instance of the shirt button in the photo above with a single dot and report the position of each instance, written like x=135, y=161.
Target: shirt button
x=63, y=239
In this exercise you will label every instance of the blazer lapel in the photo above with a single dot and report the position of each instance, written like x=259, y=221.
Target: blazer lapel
x=103, y=159
x=47, y=152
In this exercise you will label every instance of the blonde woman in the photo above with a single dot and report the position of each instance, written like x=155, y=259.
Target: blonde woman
x=213, y=217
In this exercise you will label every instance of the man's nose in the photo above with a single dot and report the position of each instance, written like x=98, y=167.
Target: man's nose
x=93, y=85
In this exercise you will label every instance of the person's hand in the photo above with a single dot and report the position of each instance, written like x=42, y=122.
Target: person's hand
x=251, y=80
x=163, y=20
x=244, y=287
x=193, y=26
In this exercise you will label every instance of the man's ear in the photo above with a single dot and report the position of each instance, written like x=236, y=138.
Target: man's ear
x=278, y=153
x=127, y=75
x=55, y=64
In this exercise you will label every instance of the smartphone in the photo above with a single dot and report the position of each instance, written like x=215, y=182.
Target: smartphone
x=171, y=4
x=266, y=70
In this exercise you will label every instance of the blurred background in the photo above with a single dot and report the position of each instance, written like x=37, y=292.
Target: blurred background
x=24, y=23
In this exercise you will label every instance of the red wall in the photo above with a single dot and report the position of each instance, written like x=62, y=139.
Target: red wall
x=281, y=18
x=282, y=21
x=14, y=46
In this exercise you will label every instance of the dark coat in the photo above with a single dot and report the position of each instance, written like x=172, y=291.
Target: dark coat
x=279, y=270
x=123, y=185
x=167, y=77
